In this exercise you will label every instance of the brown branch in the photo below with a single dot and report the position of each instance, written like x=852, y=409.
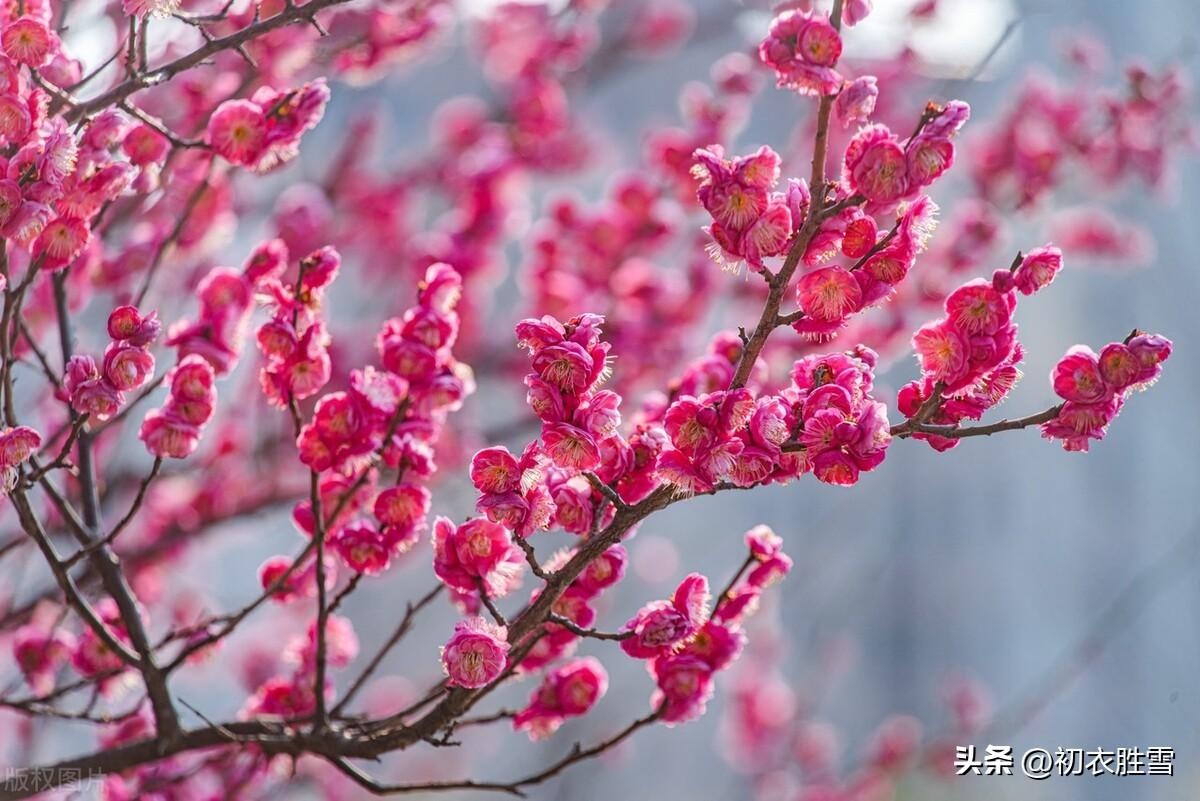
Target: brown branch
x=406, y=623
x=345, y=592
x=727, y=593
x=605, y=490
x=580, y=631
x=577, y=754
x=488, y=604
x=911, y=427
x=64, y=453
x=768, y=321
x=165, y=718
x=289, y=15
x=82, y=607
x=321, y=715
x=531, y=558
x=134, y=507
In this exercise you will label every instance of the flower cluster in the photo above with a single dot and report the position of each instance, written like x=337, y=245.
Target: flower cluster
x=294, y=342
x=478, y=555
x=1094, y=386
x=568, y=361
x=969, y=357
x=884, y=170
x=40, y=651
x=395, y=413
x=174, y=429
x=803, y=49
x=706, y=446
x=825, y=422
x=99, y=391
x=567, y=691
x=843, y=429
x=92, y=655
x=511, y=491
x=417, y=346
x=387, y=34
x=683, y=672
x=856, y=102
x=713, y=116
x=218, y=333
x=264, y=132
x=829, y=296
x=1121, y=132
x=609, y=257
x=750, y=221
x=659, y=627
x=109, y=189
x=368, y=547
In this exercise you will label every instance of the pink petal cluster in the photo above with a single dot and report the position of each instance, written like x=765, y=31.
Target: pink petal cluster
x=684, y=676
x=92, y=656
x=568, y=361
x=1036, y=270
x=830, y=296
x=264, y=132
x=99, y=390
x=733, y=437
x=218, y=333
x=17, y=444
x=476, y=653
x=751, y=222
x=844, y=430
x=1095, y=386
x=511, y=491
x=567, y=691
x=884, y=170
x=417, y=346
x=606, y=257
x=294, y=343
x=803, y=49
x=292, y=694
x=396, y=413
x=174, y=429
x=1132, y=130
x=706, y=444
x=479, y=552
x=27, y=40
x=659, y=627
x=40, y=651
x=969, y=357
x=856, y=102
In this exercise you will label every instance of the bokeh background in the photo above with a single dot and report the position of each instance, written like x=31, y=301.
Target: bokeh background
x=1068, y=585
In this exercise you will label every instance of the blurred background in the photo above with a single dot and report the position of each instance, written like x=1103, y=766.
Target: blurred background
x=1066, y=585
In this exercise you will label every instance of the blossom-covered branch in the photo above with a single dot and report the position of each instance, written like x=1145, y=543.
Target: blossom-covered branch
x=109, y=202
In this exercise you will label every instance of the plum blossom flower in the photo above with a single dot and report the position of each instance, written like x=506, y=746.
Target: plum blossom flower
x=659, y=626
x=475, y=654
x=685, y=683
x=1037, y=269
x=28, y=41
x=856, y=102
